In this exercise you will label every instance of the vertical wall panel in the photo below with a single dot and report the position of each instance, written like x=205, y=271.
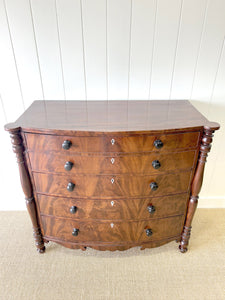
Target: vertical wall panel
x=70, y=34
x=167, y=29
x=118, y=32
x=142, y=35
x=188, y=46
x=9, y=81
x=94, y=24
x=45, y=24
x=209, y=54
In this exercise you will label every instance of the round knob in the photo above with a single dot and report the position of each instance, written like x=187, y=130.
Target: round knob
x=151, y=209
x=153, y=186
x=68, y=166
x=70, y=186
x=156, y=164
x=158, y=144
x=148, y=232
x=75, y=232
x=66, y=145
x=73, y=209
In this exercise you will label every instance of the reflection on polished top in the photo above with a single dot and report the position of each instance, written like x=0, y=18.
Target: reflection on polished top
x=111, y=116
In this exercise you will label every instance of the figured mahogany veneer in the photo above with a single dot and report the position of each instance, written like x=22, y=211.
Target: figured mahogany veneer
x=111, y=174
x=116, y=231
x=114, y=164
x=101, y=186
x=116, y=209
x=126, y=144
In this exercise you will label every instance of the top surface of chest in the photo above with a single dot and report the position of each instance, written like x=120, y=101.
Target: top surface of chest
x=99, y=117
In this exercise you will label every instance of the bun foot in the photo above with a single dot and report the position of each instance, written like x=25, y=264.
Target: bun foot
x=42, y=250
x=183, y=249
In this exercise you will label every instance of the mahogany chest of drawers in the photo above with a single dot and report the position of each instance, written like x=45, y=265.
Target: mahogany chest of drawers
x=111, y=174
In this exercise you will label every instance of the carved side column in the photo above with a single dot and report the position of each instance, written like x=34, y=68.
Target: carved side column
x=196, y=186
x=18, y=149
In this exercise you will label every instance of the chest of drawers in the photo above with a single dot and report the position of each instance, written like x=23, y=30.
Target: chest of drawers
x=111, y=175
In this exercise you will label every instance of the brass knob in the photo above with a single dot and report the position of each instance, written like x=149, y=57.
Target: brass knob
x=66, y=145
x=68, y=166
x=148, y=232
x=158, y=144
x=153, y=186
x=73, y=209
x=70, y=186
x=156, y=164
x=151, y=209
x=75, y=232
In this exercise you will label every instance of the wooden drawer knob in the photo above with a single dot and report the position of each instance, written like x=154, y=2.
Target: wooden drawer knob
x=158, y=144
x=70, y=186
x=68, y=166
x=148, y=232
x=153, y=186
x=151, y=209
x=66, y=145
x=156, y=164
x=73, y=209
x=75, y=232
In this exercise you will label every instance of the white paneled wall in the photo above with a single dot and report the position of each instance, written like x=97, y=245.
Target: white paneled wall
x=112, y=49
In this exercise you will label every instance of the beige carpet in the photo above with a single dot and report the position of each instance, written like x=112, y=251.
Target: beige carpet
x=159, y=273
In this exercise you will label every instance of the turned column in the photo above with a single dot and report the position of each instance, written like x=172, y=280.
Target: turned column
x=18, y=149
x=196, y=186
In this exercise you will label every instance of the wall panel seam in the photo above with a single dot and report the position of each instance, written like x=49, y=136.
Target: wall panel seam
x=153, y=48
x=14, y=55
x=84, y=63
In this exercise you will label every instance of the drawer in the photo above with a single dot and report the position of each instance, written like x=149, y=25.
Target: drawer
x=134, y=143
x=117, y=164
x=104, y=186
x=148, y=208
x=112, y=231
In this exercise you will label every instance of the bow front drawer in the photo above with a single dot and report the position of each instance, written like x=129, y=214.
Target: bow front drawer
x=104, y=186
x=116, y=209
x=140, y=231
x=115, y=164
x=132, y=143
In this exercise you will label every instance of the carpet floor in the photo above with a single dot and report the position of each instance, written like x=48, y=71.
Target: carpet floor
x=158, y=273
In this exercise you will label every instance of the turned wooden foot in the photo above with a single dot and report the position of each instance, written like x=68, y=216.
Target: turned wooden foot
x=18, y=149
x=196, y=187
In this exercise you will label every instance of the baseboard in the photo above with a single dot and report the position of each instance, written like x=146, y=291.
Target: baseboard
x=211, y=202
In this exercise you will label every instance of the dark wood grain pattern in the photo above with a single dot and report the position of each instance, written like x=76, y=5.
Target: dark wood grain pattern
x=18, y=149
x=99, y=117
x=111, y=175
x=115, y=231
x=196, y=187
x=101, y=186
x=114, y=209
x=132, y=143
x=114, y=164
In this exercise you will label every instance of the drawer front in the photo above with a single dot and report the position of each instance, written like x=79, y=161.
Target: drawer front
x=135, y=143
x=113, y=209
x=104, y=186
x=112, y=232
x=92, y=164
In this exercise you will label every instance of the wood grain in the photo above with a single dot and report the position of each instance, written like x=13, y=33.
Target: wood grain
x=120, y=232
x=101, y=187
x=114, y=164
x=113, y=209
x=133, y=143
x=99, y=117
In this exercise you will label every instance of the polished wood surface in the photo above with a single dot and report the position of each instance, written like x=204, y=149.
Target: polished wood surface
x=88, y=175
x=109, y=143
x=113, y=209
x=115, y=231
x=98, y=117
x=114, y=164
x=101, y=187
